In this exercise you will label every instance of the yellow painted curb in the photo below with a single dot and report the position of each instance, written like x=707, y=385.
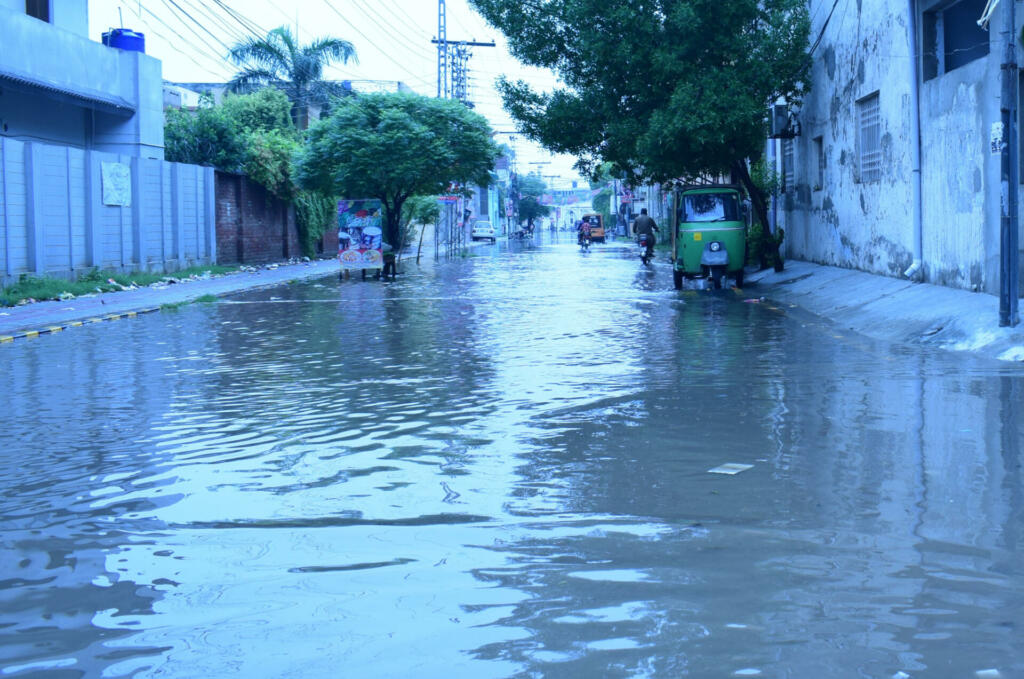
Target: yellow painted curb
x=31, y=334
x=75, y=324
x=6, y=338
x=129, y=314
x=54, y=328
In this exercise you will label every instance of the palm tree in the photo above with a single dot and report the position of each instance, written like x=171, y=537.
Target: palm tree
x=297, y=70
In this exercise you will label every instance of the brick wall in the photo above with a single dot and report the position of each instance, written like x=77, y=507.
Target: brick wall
x=253, y=227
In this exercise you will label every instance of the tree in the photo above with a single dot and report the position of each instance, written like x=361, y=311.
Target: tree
x=207, y=136
x=664, y=89
x=265, y=110
x=531, y=188
x=279, y=61
x=394, y=146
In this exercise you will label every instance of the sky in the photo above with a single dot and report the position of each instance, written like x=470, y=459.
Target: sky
x=392, y=39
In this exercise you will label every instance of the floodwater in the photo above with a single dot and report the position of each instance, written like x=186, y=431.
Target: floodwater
x=498, y=466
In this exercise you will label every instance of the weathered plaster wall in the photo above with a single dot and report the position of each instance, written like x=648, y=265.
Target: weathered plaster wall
x=869, y=225
x=849, y=222
x=960, y=177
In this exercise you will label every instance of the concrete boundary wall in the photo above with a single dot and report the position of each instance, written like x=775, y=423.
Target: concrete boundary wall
x=53, y=220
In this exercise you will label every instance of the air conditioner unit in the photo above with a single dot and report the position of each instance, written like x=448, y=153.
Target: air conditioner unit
x=780, y=121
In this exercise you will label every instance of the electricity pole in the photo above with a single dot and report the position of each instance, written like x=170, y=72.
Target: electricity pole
x=453, y=59
x=1009, y=259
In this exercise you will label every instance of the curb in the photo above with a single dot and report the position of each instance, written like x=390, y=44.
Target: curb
x=54, y=329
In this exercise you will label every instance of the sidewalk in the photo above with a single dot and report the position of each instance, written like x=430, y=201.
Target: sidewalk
x=893, y=309
x=44, y=317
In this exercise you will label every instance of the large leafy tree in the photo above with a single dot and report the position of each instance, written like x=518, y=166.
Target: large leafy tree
x=663, y=89
x=531, y=188
x=394, y=146
x=297, y=70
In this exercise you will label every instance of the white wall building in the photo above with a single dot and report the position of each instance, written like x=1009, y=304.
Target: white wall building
x=848, y=176
x=58, y=86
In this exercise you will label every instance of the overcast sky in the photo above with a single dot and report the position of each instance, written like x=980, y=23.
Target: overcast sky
x=391, y=37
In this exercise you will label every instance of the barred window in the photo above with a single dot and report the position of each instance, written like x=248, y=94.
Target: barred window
x=869, y=139
x=788, y=165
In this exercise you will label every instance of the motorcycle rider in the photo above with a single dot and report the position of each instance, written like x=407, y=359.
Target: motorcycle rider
x=583, y=230
x=645, y=225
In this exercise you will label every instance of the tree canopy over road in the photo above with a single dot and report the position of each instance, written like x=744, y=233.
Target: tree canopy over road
x=661, y=88
x=393, y=147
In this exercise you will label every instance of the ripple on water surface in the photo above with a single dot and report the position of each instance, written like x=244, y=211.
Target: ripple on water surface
x=499, y=465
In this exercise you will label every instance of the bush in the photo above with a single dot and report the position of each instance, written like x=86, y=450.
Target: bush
x=266, y=110
x=268, y=161
x=315, y=213
x=204, y=137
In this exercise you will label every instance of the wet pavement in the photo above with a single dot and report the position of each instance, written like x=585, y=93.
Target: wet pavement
x=499, y=467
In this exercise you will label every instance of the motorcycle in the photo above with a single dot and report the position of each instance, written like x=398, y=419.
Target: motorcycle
x=642, y=241
x=584, y=240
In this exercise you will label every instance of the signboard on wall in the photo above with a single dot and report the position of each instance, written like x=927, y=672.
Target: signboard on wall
x=360, y=237
x=116, y=179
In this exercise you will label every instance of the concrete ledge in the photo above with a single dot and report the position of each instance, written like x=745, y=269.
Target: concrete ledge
x=895, y=310
x=32, y=320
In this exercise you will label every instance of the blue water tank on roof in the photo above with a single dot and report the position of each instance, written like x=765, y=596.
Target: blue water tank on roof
x=125, y=39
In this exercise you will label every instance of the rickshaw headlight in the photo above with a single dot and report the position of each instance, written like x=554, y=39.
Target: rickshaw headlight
x=716, y=246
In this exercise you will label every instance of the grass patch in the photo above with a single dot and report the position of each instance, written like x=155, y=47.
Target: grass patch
x=44, y=287
x=174, y=306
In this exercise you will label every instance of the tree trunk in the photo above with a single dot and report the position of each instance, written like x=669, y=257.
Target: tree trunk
x=739, y=169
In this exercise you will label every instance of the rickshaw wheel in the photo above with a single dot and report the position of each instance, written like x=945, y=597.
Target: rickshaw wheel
x=677, y=279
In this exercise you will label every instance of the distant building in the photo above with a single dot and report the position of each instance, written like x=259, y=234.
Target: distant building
x=58, y=86
x=848, y=175
x=176, y=94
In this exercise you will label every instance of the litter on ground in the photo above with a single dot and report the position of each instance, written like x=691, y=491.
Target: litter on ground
x=730, y=468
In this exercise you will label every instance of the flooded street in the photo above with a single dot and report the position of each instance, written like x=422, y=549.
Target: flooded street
x=499, y=467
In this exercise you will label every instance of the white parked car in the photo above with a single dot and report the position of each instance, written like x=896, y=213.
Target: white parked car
x=484, y=231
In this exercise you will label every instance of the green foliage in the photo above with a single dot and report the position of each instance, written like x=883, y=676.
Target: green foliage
x=264, y=110
x=766, y=178
x=531, y=189
x=663, y=89
x=395, y=146
x=207, y=136
x=268, y=161
x=417, y=212
x=250, y=133
x=280, y=62
x=763, y=247
x=315, y=213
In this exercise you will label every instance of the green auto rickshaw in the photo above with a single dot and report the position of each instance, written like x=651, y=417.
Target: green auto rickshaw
x=710, y=236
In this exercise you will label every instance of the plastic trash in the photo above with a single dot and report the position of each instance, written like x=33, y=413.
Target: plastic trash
x=731, y=468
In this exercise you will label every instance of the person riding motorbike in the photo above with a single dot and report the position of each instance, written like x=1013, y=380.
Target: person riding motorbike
x=583, y=230
x=646, y=225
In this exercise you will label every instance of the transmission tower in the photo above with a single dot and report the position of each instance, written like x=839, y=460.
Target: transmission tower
x=453, y=61
x=442, y=52
x=460, y=72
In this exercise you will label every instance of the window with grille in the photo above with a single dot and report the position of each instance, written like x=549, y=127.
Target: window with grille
x=788, y=165
x=869, y=139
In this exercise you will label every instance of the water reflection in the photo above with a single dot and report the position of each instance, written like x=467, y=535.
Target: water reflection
x=499, y=467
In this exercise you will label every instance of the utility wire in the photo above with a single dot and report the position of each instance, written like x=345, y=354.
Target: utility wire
x=174, y=5
x=385, y=53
